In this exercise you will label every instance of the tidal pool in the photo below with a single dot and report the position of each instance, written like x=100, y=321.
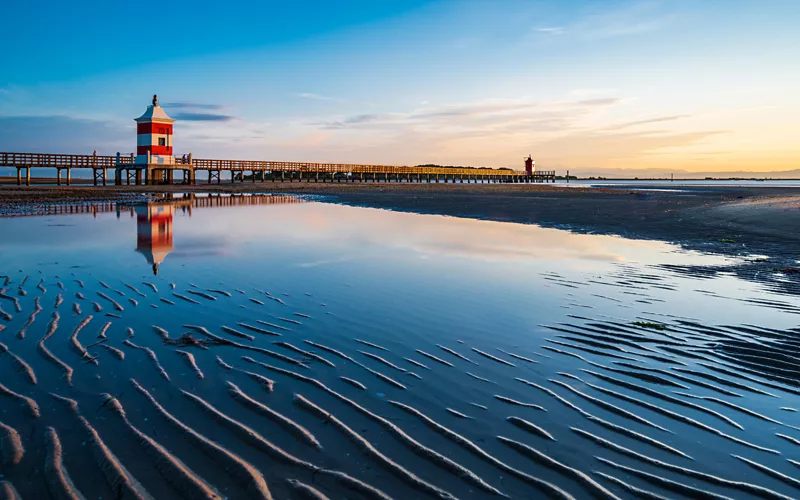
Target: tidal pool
x=262, y=345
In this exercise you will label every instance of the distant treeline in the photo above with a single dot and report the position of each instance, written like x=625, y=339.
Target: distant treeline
x=433, y=165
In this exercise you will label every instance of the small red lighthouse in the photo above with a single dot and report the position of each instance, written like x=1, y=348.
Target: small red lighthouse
x=154, y=136
x=530, y=165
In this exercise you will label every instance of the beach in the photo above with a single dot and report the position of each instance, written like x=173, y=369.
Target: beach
x=393, y=341
x=400, y=250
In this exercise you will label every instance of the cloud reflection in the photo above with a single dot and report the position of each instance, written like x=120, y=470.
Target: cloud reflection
x=172, y=232
x=335, y=226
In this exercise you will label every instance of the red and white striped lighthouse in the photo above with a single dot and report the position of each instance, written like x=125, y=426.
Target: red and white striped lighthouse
x=154, y=136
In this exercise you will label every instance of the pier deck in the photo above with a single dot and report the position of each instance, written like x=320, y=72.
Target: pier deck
x=128, y=172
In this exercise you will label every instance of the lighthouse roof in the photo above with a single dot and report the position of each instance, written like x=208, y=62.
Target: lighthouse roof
x=155, y=255
x=155, y=113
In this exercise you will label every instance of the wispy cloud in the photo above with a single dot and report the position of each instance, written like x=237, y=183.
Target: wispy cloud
x=441, y=115
x=553, y=30
x=632, y=18
x=203, y=117
x=316, y=97
x=649, y=121
x=198, y=112
x=574, y=134
x=591, y=92
x=600, y=101
x=191, y=105
x=627, y=19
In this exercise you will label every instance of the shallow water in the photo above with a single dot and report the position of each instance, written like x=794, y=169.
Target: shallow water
x=617, y=328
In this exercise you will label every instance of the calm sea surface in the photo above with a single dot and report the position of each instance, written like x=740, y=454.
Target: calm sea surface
x=678, y=184
x=411, y=356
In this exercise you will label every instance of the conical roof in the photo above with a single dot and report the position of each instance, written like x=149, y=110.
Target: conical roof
x=155, y=113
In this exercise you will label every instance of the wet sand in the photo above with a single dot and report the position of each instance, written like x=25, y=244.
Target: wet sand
x=188, y=393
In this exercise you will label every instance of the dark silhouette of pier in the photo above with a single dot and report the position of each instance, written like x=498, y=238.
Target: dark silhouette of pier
x=127, y=171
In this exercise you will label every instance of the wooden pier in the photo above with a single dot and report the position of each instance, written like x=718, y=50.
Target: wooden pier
x=126, y=171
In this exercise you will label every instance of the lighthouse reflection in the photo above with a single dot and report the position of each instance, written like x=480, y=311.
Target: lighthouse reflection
x=154, y=232
x=154, y=219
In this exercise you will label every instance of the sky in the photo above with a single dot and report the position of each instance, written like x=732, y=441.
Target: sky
x=582, y=85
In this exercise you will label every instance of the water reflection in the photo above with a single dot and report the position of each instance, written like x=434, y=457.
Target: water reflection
x=154, y=218
x=154, y=232
x=383, y=318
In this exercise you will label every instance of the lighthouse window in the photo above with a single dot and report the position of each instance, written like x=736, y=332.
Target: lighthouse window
x=162, y=141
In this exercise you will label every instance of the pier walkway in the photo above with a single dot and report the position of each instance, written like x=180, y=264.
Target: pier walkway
x=126, y=171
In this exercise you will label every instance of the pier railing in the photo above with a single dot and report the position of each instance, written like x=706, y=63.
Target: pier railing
x=26, y=161
x=285, y=166
x=47, y=160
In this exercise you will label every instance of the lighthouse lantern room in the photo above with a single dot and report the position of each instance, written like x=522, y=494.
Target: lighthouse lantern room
x=154, y=137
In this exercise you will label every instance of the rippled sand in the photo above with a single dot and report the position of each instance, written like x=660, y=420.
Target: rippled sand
x=200, y=383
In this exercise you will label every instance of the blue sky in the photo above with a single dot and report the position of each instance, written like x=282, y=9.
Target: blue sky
x=586, y=85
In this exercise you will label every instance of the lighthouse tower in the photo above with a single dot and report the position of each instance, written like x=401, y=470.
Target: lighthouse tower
x=530, y=166
x=154, y=140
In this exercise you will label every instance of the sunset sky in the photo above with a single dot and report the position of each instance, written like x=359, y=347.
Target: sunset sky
x=585, y=85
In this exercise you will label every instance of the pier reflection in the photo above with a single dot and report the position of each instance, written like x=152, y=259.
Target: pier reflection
x=154, y=219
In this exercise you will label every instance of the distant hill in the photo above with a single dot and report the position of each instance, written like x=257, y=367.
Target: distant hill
x=433, y=165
